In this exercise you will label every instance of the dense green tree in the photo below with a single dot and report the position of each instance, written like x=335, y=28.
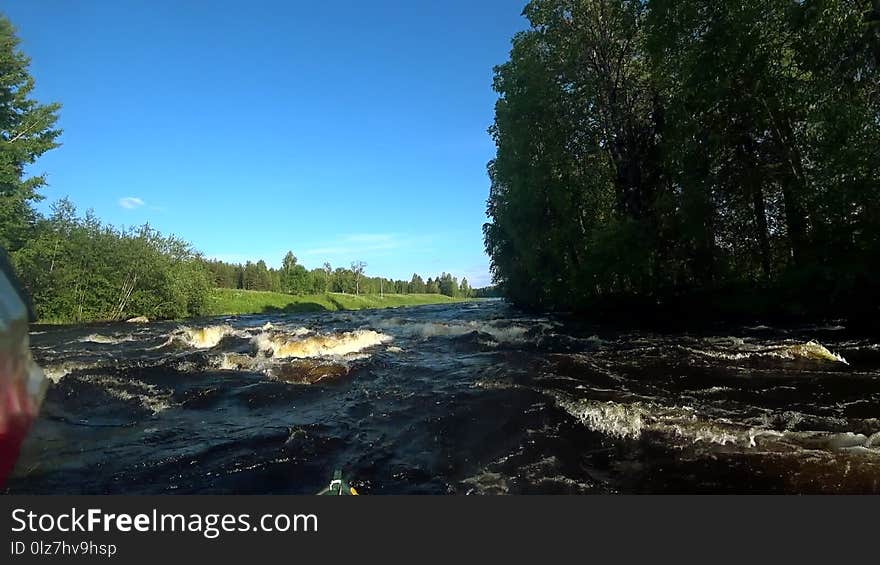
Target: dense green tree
x=27, y=130
x=646, y=149
x=464, y=289
x=77, y=269
x=224, y=275
x=416, y=284
x=447, y=285
x=295, y=278
x=343, y=281
x=432, y=286
x=492, y=291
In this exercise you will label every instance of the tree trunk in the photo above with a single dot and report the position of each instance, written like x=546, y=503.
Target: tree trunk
x=794, y=183
x=761, y=221
x=759, y=206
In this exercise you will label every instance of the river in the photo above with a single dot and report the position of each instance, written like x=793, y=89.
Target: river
x=469, y=398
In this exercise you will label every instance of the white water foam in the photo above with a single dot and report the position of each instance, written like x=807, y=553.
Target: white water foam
x=207, y=337
x=107, y=340
x=283, y=347
x=149, y=396
x=425, y=330
x=811, y=350
x=57, y=372
x=632, y=420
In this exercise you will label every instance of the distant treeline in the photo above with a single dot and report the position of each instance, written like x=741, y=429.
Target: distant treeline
x=672, y=151
x=492, y=291
x=76, y=268
x=294, y=278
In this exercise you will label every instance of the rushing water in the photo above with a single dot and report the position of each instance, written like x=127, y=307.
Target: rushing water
x=467, y=398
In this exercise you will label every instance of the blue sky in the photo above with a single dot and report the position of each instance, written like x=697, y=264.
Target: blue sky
x=340, y=130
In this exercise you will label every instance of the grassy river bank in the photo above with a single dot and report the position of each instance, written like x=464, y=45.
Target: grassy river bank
x=225, y=301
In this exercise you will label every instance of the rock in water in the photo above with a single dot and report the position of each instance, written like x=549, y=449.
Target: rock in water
x=138, y=320
x=309, y=372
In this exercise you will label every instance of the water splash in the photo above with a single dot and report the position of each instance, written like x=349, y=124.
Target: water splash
x=282, y=347
x=207, y=337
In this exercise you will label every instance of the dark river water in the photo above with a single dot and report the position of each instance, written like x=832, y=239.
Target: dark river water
x=473, y=398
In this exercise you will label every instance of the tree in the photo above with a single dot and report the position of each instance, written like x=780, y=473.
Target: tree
x=289, y=261
x=328, y=281
x=432, y=286
x=78, y=269
x=448, y=285
x=294, y=278
x=357, y=267
x=416, y=284
x=464, y=289
x=27, y=130
x=343, y=280
x=648, y=150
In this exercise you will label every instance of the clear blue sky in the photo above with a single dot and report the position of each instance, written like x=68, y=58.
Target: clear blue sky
x=341, y=130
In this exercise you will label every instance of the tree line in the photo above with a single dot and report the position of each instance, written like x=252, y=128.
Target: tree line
x=667, y=148
x=77, y=268
x=294, y=278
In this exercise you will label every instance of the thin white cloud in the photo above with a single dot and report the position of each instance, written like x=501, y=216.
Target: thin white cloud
x=356, y=244
x=131, y=202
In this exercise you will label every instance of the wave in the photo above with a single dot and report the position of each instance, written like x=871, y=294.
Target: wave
x=150, y=397
x=632, y=420
x=57, y=372
x=238, y=362
x=291, y=357
x=836, y=441
x=811, y=350
x=511, y=333
x=282, y=347
x=207, y=337
x=610, y=418
x=103, y=339
x=303, y=371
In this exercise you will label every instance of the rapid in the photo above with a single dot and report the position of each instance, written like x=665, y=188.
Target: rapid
x=468, y=398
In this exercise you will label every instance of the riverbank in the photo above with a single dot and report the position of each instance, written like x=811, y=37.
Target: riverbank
x=811, y=302
x=225, y=301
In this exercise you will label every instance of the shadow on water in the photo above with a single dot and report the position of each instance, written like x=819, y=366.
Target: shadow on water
x=295, y=308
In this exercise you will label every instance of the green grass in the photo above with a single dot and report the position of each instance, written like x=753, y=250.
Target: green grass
x=230, y=301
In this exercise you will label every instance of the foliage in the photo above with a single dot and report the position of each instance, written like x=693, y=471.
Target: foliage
x=78, y=269
x=491, y=291
x=294, y=278
x=27, y=130
x=651, y=149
